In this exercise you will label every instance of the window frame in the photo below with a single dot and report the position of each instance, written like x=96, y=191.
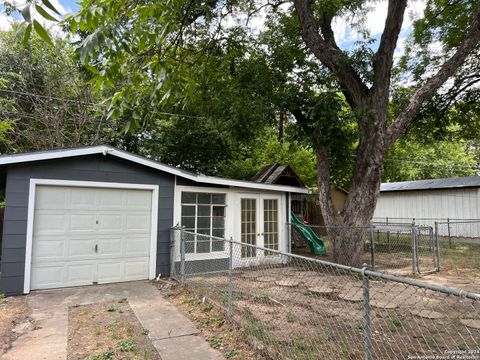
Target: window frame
x=227, y=225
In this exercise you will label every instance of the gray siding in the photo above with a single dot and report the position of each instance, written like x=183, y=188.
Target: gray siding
x=85, y=168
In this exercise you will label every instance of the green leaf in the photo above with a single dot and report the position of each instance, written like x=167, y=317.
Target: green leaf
x=40, y=30
x=26, y=35
x=49, y=5
x=26, y=13
x=45, y=14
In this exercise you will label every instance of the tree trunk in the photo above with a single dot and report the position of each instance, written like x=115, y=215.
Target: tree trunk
x=348, y=229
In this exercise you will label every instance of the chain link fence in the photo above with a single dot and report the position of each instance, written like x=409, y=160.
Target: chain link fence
x=398, y=248
x=295, y=307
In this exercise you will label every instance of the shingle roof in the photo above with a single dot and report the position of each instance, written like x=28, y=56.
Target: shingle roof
x=432, y=184
x=277, y=174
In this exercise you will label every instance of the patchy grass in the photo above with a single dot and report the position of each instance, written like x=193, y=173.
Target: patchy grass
x=107, y=331
x=461, y=259
x=14, y=320
x=211, y=322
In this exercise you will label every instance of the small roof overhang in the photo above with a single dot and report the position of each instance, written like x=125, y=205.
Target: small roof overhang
x=107, y=150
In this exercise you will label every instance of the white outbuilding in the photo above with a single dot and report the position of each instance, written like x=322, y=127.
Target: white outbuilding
x=452, y=200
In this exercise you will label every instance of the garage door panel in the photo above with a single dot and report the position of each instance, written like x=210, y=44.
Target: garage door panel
x=111, y=223
x=81, y=248
x=80, y=273
x=81, y=199
x=138, y=222
x=110, y=272
x=135, y=269
x=111, y=199
x=138, y=247
x=48, y=223
x=50, y=200
x=48, y=249
x=47, y=277
x=139, y=200
x=87, y=235
x=111, y=247
x=82, y=222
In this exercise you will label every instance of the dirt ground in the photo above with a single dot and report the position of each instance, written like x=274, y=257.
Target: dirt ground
x=211, y=321
x=107, y=331
x=14, y=320
x=299, y=312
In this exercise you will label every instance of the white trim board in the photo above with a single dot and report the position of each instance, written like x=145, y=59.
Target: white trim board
x=107, y=150
x=94, y=184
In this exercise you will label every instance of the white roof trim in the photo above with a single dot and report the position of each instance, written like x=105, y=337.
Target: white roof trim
x=102, y=149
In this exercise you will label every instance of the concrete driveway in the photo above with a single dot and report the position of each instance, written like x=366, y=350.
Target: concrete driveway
x=174, y=336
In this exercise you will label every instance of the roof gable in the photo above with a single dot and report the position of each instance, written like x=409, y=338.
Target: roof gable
x=278, y=174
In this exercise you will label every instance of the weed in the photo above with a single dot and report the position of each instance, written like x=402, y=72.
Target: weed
x=429, y=339
x=231, y=354
x=122, y=301
x=2, y=296
x=300, y=345
x=462, y=346
x=208, y=307
x=127, y=345
x=112, y=308
x=290, y=317
x=252, y=328
x=130, y=331
x=193, y=301
x=395, y=320
x=214, y=342
x=145, y=332
x=107, y=355
x=264, y=298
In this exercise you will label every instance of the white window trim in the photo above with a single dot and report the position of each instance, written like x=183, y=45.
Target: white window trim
x=94, y=184
x=177, y=211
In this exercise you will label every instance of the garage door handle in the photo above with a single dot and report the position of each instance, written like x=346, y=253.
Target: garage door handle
x=96, y=248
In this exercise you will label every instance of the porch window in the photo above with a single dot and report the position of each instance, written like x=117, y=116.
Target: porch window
x=204, y=213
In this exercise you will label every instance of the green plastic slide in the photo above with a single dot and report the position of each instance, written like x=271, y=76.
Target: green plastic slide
x=317, y=246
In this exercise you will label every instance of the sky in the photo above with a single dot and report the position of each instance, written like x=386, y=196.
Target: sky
x=344, y=34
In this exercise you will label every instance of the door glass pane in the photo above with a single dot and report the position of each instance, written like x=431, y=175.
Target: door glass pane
x=248, y=211
x=270, y=224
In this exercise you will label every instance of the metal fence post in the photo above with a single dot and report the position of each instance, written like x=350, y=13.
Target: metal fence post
x=414, y=250
x=449, y=237
x=367, y=330
x=437, y=244
x=372, y=247
x=182, y=255
x=230, y=279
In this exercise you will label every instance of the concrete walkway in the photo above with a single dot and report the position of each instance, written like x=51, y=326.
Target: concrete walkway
x=173, y=335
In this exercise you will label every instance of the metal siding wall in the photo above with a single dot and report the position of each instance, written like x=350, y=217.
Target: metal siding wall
x=86, y=168
x=440, y=204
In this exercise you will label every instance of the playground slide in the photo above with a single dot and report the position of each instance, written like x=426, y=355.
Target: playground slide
x=317, y=247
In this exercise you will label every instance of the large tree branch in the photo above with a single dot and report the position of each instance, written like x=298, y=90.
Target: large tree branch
x=384, y=57
x=329, y=53
x=406, y=116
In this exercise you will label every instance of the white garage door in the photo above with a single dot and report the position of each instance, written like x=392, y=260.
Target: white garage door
x=84, y=235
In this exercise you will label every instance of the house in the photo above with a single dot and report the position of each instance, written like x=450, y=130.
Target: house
x=99, y=215
x=427, y=201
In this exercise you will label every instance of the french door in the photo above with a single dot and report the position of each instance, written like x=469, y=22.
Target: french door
x=259, y=223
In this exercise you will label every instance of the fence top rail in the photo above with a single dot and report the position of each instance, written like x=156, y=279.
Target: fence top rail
x=453, y=222
x=425, y=218
x=363, y=271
